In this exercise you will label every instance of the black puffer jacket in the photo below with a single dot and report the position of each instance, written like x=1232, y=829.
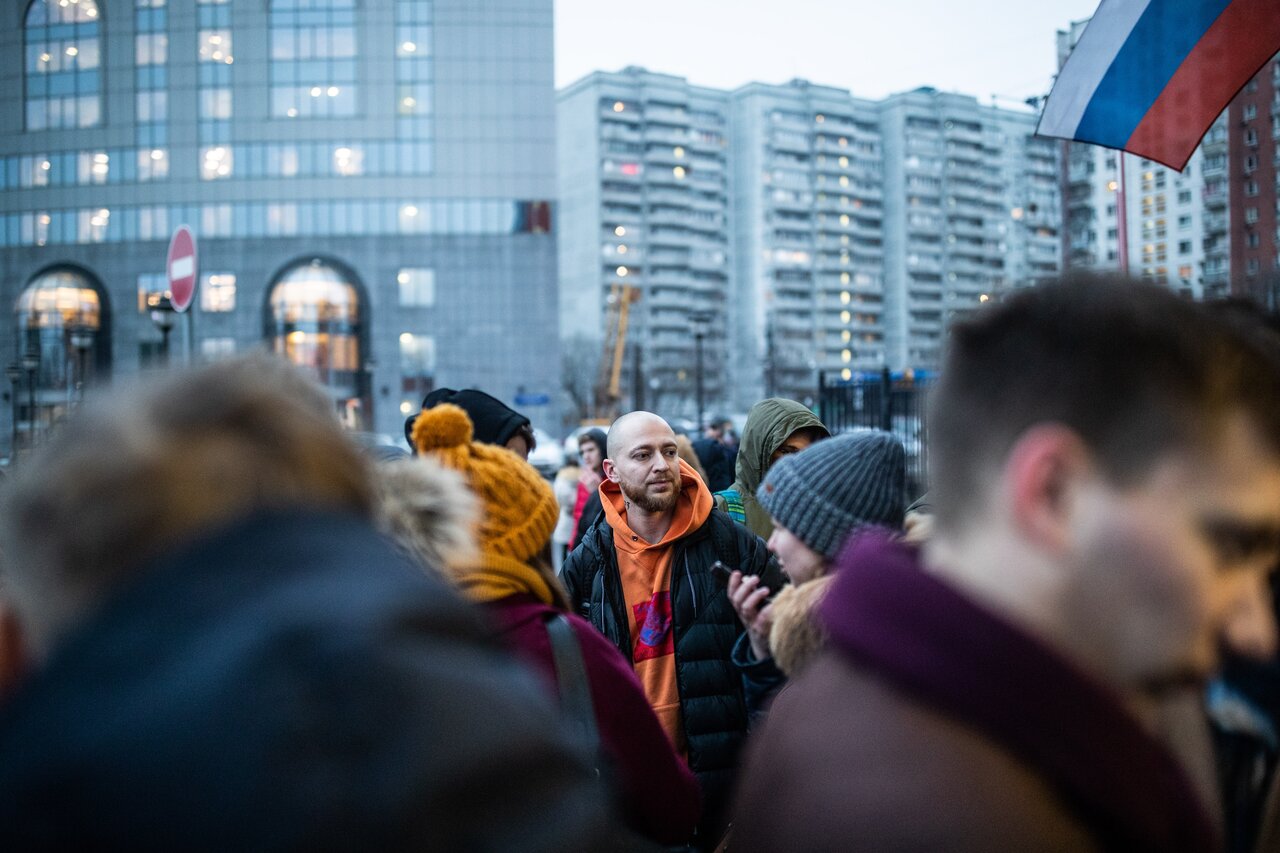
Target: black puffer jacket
x=705, y=625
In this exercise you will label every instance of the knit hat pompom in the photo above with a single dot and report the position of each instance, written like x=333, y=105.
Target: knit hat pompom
x=441, y=427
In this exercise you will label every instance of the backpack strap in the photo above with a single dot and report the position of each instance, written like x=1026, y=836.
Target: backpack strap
x=724, y=539
x=733, y=505
x=571, y=676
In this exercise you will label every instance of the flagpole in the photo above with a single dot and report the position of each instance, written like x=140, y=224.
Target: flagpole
x=1122, y=219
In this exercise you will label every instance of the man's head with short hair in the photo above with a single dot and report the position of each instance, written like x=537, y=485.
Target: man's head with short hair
x=644, y=462
x=1117, y=449
x=132, y=475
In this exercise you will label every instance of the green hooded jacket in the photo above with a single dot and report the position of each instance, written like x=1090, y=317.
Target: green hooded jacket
x=769, y=423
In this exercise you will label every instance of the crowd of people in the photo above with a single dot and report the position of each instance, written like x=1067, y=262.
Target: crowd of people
x=224, y=626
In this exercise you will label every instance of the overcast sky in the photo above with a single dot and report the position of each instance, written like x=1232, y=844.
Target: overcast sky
x=979, y=47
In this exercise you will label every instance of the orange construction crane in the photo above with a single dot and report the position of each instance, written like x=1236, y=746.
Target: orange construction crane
x=609, y=384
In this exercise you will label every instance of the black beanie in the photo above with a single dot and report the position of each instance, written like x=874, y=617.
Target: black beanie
x=494, y=422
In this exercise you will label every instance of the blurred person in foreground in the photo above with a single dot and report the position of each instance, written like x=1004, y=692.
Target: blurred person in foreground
x=223, y=654
x=509, y=573
x=775, y=427
x=642, y=576
x=1106, y=490
x=816, y=499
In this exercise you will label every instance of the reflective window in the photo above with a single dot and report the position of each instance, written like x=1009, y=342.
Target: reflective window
x=153, y=288
x=413, y=49
x=215, y=162
x=63, y=338
x=417, y=363
x=313, y=58
x=62, y=58
x=314, y=320
x=417, y=287
x=218, y=292
x=216, y=349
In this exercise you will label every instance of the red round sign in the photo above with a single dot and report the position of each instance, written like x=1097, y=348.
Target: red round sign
x=181, y=268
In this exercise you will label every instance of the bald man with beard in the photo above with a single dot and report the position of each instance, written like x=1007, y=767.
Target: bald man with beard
x=642, y=576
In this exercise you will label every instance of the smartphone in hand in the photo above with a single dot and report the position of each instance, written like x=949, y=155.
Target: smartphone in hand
x=721, y=572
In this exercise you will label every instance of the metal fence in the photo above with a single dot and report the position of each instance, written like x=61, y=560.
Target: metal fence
x=893, y=401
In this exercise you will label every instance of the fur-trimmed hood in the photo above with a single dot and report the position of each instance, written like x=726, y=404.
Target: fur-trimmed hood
x=429, y=512
x=797, y=634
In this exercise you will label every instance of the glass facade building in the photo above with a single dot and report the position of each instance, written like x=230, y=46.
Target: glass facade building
x=369, y=185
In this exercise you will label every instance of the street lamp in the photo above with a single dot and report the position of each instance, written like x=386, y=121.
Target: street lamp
x=31, y=364
x=700, y=322
x=13, y=372
x=162, y=314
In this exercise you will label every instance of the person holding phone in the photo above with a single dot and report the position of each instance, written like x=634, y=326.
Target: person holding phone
x=816, y=499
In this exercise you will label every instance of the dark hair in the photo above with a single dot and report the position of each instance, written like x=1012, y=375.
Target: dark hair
x=598, y=438
x=1132, y=369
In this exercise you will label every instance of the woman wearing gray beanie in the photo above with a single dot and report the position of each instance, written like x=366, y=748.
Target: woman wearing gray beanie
x=817, y=499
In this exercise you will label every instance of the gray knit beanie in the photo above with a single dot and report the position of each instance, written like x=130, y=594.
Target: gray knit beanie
x=826, y=491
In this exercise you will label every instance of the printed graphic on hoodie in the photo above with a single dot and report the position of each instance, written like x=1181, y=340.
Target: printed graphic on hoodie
x=653, y=620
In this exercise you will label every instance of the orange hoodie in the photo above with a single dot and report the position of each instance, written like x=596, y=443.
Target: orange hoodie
x=645, y=570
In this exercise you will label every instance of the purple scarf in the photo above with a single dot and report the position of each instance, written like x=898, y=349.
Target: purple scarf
x=916, y=632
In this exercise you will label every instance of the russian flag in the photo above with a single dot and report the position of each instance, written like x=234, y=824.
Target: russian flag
x=1150, y=76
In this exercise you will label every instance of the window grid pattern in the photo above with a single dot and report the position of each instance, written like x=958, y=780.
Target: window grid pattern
x=216, y=57
x=62, y=60
x=414, y=91
x=313, y=58
x=151, y=85
x=345, y=218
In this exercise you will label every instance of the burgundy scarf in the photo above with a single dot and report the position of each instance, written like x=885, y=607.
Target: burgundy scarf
x=918, y=633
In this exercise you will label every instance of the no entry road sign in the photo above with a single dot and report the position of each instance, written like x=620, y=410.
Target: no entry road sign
x=181, y=267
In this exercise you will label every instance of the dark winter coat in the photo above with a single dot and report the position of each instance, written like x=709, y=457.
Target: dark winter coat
x=713, y=710
x=289, y=683
x=656, y=790
x=930, y=723
x=717, y=461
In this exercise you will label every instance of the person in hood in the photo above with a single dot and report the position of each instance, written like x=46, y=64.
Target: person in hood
x=222, y=653
x=642, y=576
x=1105, y=480
x=495, y=422
x=775, y=428
x=511, y=576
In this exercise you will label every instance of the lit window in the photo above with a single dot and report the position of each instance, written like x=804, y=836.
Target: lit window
x=846, y=356
x=846, y=374
x=417, y=287
x=618, y=106
x=218, y=292
x=417, y=355
x=621, y=271
x=151, y=49
x=620, y=231
x=845, y=316
x=844, y=297
x=348, y=160
x=215, y=46
x=215, y=163
x=63, y=51
x=679, y=172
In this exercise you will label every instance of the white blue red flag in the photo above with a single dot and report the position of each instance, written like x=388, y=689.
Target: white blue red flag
x=1150, y=76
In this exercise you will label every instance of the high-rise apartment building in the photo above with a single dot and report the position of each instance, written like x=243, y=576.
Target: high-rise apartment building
x=808, y=194
x=971, y=208
x=848, y=235
x=1253, y=155
x=369, y=184
x=645, y=256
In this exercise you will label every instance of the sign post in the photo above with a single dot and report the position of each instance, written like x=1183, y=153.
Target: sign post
x=183, y=271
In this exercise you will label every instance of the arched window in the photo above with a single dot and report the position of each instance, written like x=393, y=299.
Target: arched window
x=63, y=64
x=314, y=319
x=63, y=344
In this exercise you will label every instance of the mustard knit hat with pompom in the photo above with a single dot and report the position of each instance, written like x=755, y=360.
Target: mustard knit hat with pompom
x=519, y=507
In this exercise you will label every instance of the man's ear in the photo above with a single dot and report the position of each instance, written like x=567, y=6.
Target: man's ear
x=13, y=653
x=610, y=471
x=1043, y=467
